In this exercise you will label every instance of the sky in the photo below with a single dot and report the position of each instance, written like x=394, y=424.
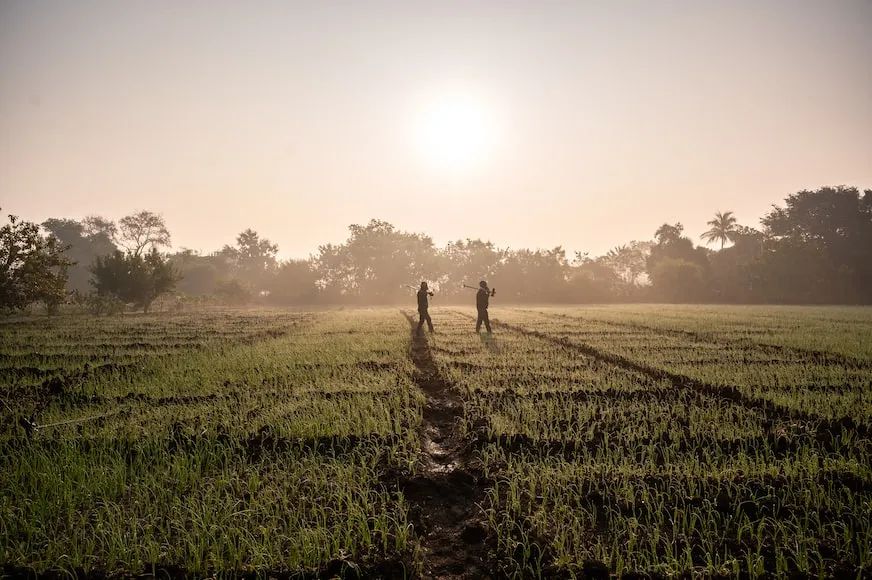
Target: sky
x=532, y=124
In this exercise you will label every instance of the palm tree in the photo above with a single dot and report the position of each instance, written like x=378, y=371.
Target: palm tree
x=723, y=228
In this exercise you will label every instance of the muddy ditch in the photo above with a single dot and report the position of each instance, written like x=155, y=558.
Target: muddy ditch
x=446, y=495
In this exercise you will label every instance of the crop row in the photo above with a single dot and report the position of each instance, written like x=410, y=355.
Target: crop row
x=835, y=332
x=248, y=457
x=69, y=343
x=801, y=384
x=597, y=460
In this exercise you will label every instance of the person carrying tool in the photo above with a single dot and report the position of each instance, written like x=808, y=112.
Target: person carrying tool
x=424, y=303
x=482, y=299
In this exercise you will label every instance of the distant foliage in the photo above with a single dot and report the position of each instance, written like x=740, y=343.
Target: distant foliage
x=83, y=242
x=375, y=263
x=679, y=272
x=679, y=280
x=103, y=305
x=142, y=231
x=815, y=249
x=628, y=262
x=723, y=228
x=295, y=282
x=32, y=267
x=233, y=293
x=819, y=247
x=95, y=237
x=134, y=278
x=253, y=259
x=200, y=275
x=468, y=261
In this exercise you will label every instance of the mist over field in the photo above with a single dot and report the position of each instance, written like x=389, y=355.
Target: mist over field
x=454, y=290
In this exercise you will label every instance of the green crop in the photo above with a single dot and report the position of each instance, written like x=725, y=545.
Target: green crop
x=657, y=440
x=612, y=438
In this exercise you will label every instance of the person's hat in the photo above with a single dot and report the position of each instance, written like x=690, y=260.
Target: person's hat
x=483, y=284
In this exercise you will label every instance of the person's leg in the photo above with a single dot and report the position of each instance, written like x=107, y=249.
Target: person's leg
x=421, y=315
x=429, y=321
x=487, y=321
x=478, y=321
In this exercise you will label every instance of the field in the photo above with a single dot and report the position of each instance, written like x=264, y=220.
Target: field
x=576, y=441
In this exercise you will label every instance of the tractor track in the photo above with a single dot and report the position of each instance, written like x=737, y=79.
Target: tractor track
x=445, y=496
x=804, y=354
x=825, y=427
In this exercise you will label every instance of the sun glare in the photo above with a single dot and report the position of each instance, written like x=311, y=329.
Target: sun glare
x=454, y=133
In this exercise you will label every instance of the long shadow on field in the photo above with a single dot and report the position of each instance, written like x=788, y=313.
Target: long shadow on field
x=490, y=342
x=803, y=355
x=444, y=499
x=826, y=429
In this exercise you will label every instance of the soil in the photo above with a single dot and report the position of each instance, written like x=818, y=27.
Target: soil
x=444, y=498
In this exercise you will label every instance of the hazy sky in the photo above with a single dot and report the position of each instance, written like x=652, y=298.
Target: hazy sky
x=590, y=123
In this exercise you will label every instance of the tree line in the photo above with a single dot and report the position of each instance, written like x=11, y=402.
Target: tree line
x=816, y=248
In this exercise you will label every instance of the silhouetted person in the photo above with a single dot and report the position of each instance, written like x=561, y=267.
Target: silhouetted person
x=423, y=304
x=482, y=299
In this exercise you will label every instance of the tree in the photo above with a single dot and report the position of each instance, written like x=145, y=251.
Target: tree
x=134, y=278
x=628, y=262
x=233, y=292
x=32, y=268
x=593, y=280
x=468, y=261
x=672, y=244
x=676, y=280
x=836, y=217
x=723, y=228
x=533, y=275
x=97, y=226
x=141, y=231
x=199, y=275
x=734, y=278
x=83, y=243
x=669, y=234
x=376, y=262
x=819, y=247
x=294, y=283
x=253, y=259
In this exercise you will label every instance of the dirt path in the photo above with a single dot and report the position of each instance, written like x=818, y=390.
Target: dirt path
x=444, y=498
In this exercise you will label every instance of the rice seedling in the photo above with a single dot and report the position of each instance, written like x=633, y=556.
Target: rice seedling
x=683, y=441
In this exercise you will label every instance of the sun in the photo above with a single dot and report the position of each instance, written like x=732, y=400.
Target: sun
x=454, y=132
